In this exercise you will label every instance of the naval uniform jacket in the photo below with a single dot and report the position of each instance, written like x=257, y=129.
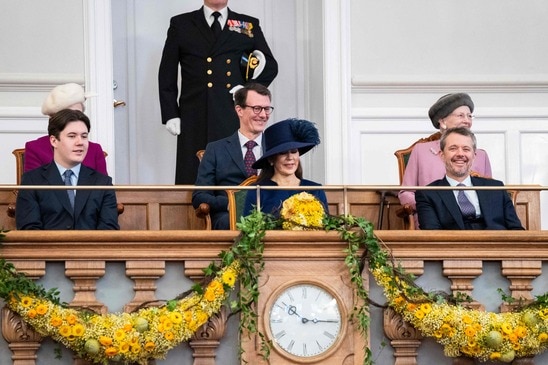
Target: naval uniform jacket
x=209, y=70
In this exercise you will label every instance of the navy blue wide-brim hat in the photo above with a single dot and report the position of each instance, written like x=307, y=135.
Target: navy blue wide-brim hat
x=287, y=135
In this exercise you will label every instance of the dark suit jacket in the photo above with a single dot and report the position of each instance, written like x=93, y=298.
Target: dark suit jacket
x=39, y=152
x=440, y=210
x=209, y=69
x=222, y=164
x=50, y=209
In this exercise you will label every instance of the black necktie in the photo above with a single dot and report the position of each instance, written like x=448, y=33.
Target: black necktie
x=249, y=158
x=68, y=182
x=216, y=26
x=466, y=207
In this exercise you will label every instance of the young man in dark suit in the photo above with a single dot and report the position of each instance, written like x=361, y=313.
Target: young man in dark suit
x=202, y=110
x=223, y=160
x=464, y=209
x=66, y=209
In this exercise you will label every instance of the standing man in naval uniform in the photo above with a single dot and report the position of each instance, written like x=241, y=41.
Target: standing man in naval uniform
x=217, y=50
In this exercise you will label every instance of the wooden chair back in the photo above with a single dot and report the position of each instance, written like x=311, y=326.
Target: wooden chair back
x=236, y=201
x=403, y=154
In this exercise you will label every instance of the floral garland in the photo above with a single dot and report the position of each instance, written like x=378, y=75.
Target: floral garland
x=127, y=337
x=151, y=332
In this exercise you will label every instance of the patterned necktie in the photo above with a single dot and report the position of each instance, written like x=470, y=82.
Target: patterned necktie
x=249, y=158
x=467, y=209
x=68, y=175
x=216, y=26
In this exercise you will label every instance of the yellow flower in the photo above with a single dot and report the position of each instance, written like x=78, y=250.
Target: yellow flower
x=124, y=347
x=169, y=336
x=209, y=295
x=467, y=319
x=426, y=308
x=41, y=309
x=419, y=314
x=31, y=313
x=521, y=331
x=71, y=319
x=149, y=346
x=128, y=327
x=26, y=301
x=495, y=356
x=119, y=334
x=65, y=331
x=506, y=328
x=229, y=278
x=469, y=331
x=111, y=351
x=78, y=330
x=105, y=341
x=56, y=321
x=176, y=317
x=543, y=336
x=543, y=313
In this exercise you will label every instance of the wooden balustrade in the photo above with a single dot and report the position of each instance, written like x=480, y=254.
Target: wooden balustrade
x=86, y=256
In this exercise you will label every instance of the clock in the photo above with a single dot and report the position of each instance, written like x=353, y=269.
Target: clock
x=304, y=321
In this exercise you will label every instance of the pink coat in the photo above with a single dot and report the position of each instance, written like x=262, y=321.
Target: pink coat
x=425, y=166
x=39, y=152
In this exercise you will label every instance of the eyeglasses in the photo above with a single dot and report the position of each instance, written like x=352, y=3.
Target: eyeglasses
x=257, y=109
x=463, y=116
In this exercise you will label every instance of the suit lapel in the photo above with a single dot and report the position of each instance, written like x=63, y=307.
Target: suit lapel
x=86, y=178
x=235, y=151
x=202, y=26
x=448, y=198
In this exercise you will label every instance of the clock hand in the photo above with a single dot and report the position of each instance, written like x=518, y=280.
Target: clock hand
x=315, y=320
x=292, y=310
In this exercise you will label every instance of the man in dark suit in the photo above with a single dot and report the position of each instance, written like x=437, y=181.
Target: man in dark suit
x=223, y=160
x=210, y=68
x=464, y=209
x=66, y=209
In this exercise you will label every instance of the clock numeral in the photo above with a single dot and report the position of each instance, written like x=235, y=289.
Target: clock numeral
x=328, y=334
x=290, y=295
x=305, y=353
x=279, y=335
x=304, y=292
x=290, y=346
x=278, y=320
x=320, y=347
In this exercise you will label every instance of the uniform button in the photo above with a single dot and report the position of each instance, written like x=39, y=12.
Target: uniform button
x=209, y=72
x=209, y=84
x=209, y=59
x=228, y=86
x=228, y=61
x=229, y=73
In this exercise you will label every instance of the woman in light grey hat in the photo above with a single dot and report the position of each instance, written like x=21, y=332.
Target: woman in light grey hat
x=39, y=152
x=425, y=164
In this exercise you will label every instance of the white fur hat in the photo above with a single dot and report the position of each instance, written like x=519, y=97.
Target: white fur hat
x=62, y=97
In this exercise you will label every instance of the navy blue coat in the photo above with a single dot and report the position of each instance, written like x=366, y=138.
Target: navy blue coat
x=438, y=209
x=209, y=69
x=51, y=210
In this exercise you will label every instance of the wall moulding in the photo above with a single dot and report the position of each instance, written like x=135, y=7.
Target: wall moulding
x=448, y=83
x=26, y=82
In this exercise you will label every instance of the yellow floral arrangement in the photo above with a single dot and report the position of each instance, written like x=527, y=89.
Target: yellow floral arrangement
x=126, y=337
x=302, y=212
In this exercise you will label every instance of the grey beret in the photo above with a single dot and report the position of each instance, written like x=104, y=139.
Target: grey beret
x=445, y=106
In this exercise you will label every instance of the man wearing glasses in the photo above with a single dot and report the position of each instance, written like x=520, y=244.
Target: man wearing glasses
x=227, y=162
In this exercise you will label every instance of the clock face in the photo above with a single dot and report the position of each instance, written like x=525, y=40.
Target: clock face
x=305, y=320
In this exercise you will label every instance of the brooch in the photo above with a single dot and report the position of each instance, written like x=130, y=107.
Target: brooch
x=240, y=27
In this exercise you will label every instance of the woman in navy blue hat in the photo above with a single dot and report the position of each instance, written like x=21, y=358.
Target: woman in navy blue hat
x=280, y=165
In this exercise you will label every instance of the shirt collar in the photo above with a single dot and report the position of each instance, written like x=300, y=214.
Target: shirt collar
x=75, y=170
x=209, y=11
x=453, y=182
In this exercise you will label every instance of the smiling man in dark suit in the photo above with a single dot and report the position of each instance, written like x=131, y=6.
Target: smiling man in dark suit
x=202, y=110
x=66, y=209
x=464, y=209
x=223, y=160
